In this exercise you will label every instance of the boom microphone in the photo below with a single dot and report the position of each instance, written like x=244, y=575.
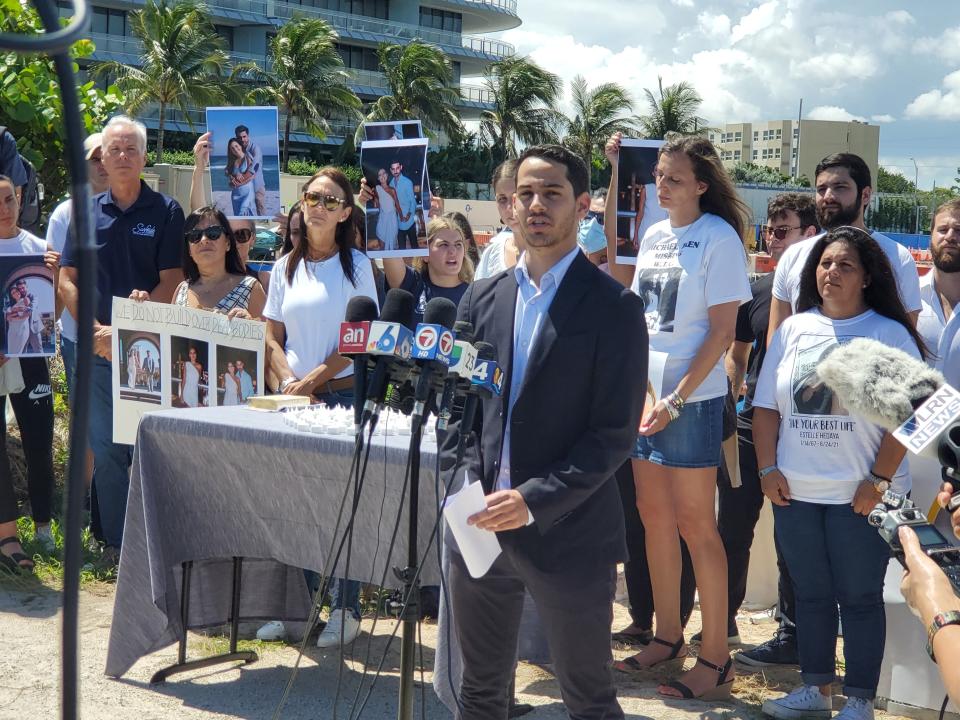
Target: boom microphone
x=354, y=330
x=878, y=382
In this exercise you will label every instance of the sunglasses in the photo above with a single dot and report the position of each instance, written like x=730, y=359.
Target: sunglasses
x=330, y=202
x=211, y=233
x=243, y=235
x=780, y=233
x=596, y=215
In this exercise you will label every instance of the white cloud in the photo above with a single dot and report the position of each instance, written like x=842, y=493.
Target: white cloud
x=882, y=119
x=946, y=46
x=839, y=67
x=833, y=112
x=938, y=104
x=683, y=3
x=714, y=25
x=757, y=20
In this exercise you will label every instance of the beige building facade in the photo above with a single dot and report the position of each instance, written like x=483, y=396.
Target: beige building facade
x=793, y=148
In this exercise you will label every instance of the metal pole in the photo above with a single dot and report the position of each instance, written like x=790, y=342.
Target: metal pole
x=796, y=167
x=916, y=201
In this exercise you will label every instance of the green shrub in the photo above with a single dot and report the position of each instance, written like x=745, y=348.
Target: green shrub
x=171, y=157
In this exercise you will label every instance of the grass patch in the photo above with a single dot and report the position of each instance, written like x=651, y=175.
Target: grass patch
x=210, y=645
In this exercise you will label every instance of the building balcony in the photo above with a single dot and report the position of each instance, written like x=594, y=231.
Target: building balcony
x=483, y=15
x=373, y=30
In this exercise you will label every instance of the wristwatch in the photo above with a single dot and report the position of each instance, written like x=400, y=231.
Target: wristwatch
x=940, y=620
x=880, y=483
x=763, y=472
x=285, y=382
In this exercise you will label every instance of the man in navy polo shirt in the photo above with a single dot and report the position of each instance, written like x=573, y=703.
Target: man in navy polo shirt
x=139, y=233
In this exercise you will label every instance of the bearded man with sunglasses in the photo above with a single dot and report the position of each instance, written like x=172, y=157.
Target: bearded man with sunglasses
x=138, y=237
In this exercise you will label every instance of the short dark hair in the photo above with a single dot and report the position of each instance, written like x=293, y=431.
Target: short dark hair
x=880, y=294
x=506, y=169
x=577, y=172
x=599, y=194
x=241, y=128
x=950, y=206
x=854, y=164
x=802, y=204
x=234, y=265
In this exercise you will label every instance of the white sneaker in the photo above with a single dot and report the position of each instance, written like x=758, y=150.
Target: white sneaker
x=273, y=630
x=805, y=702
x=44, y=536
x=857, y=709
x=330, y=637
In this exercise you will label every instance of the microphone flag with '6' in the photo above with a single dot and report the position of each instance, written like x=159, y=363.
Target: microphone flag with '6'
x=391, y=343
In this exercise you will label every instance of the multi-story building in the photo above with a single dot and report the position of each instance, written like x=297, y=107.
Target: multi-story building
x=794, y=148
x=456, y=26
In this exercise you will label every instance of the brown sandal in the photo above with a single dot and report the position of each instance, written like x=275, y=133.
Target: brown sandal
x=632, y=665
x=721, y=691
x=15, y=562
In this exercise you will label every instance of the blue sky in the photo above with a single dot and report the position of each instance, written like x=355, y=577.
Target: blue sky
x=262, y=124
x=896, y=64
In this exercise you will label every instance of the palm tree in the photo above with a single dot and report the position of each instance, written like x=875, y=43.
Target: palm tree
x=307, y=80
x=183, y=63
x=419, y=77
x=524, y=96
x=675, y=111
x=597, y=114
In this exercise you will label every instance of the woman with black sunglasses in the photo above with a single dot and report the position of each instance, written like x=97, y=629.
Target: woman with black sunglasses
x=216, y=278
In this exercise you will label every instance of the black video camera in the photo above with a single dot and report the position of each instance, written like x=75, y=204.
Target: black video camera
x=896, y=510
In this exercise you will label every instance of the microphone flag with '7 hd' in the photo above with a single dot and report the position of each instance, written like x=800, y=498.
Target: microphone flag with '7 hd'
x=354, y=331
x=433, y=347
x=390, y=343
x=900, y=394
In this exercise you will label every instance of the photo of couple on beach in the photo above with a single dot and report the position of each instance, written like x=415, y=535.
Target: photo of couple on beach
x=245, y=161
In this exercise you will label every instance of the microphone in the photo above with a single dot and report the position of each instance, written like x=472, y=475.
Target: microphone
x=487, y=376
x=485, y=354
x=889, y=388
x=391, y=342
x=460, y=372
x=354, y=331
x=432, y=349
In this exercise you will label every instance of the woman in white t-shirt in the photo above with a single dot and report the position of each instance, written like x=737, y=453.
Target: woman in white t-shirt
x=307, y=300
x=824, y=469
x=691, y=272
x=33, y=405
x=504, y=249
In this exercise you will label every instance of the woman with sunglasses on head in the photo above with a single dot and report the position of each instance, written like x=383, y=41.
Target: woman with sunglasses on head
x=692, y=271
x=216, y=278
x=309, y=291
x=824, y=469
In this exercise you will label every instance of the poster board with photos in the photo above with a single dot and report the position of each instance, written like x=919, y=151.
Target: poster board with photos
x=637, y=207
x=29, y=306
x=168, y=356
x=245, y=161
x=398, y=130
x=396, y=172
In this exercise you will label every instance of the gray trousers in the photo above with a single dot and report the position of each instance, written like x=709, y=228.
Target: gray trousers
x=576, y=608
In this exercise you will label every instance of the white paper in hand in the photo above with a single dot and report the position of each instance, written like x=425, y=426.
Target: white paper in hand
x=479, y=548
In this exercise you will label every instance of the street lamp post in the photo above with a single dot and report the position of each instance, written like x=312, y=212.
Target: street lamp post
x=916, y=203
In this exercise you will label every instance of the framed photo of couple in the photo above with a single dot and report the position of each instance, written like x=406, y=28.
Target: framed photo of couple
x=396, y=171
x=637, y=207
x=29, y=314
x=245, y=161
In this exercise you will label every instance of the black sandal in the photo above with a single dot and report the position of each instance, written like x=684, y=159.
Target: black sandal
x=632, y=665
x=719, y=692
x=15, y=562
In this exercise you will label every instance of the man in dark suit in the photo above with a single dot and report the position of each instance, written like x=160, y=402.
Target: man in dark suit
x=546, y=451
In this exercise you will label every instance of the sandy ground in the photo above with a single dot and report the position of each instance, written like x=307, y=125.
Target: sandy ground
x=29, y=674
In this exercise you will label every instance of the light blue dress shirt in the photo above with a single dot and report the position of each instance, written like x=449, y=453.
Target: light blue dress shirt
x=407, y=199
x=531, y=309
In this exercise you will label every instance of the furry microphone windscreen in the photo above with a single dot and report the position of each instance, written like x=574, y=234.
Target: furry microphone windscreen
x=878, y=382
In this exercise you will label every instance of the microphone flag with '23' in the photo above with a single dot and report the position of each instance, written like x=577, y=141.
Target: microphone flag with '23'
x=901, y=394
x=354, y=330
x=389, y=344
x=460, y=372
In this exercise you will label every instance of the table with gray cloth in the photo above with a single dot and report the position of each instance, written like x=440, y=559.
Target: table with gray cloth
x=210, y=484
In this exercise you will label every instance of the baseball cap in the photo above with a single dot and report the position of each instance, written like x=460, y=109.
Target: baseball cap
x=92, y=143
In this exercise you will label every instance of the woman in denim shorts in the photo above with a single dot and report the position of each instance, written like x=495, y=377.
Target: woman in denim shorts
x=691, y=273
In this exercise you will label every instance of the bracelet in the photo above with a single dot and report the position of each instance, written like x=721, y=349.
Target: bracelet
x=676, y=402
x=941, y=620
x=285, y=382
x=763, y=472
x=671, y=411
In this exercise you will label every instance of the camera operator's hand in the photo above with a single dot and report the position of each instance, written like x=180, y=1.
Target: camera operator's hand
x=943, y=497
x=924, y=586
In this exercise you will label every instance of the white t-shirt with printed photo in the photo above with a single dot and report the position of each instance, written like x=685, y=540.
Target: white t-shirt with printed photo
x=823, y=450
x=313, y=306
x=786, y=279
x=682, y=272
